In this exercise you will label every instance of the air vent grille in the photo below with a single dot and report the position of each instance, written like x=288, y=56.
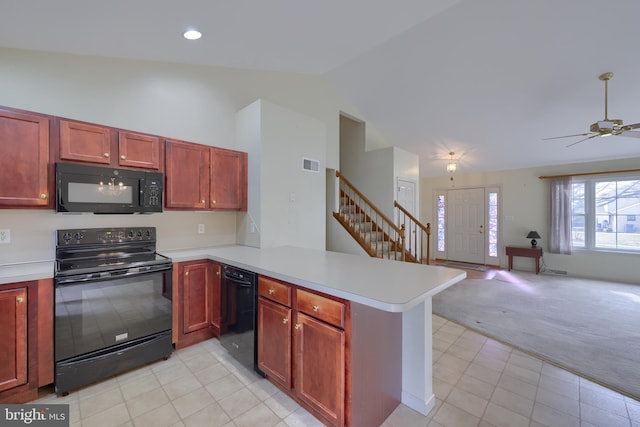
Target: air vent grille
x=310, y=165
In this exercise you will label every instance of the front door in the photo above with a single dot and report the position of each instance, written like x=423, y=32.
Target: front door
x=465, y=225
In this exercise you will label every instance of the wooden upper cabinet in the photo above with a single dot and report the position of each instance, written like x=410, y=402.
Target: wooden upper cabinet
x=228, y=179
x=13, y=355
x=187, y=175
x=138, y=151
x=85, y=142
x=25, y=175
x=103, y=145
x=204, y=177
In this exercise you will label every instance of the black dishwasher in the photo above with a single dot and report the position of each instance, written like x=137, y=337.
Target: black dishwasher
x=238, y=299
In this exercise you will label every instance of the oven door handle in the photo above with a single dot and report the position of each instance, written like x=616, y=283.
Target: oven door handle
x=109, y=275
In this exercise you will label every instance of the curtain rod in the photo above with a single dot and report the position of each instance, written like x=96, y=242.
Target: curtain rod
x=587, y=173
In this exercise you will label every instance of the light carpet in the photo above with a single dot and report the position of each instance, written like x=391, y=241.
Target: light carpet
x=589, y=327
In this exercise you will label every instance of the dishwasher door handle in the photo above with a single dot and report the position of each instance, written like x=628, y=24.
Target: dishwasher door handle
x=238, y=282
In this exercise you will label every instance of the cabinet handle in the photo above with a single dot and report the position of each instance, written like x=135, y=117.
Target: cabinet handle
x=202, y=201
x=271, y=292
x=106, y=154
x=186, y=273
x=285, y=321
x=297, y=326
x=123, y=157
x=43, y=196
x=316, y=308
x=217, y=273
x=213, y=201
x=19, y=299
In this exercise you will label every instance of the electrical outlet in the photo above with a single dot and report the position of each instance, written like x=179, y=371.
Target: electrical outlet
x=5, y=236
x=200, y=228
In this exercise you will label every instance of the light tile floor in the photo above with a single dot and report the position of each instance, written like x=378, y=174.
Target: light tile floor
x=477, y=382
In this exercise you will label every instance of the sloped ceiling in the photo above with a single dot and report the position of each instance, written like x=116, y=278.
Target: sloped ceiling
x=486, y=79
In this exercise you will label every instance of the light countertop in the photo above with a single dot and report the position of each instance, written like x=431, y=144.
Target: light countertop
x=26, y=271
x=392, y=286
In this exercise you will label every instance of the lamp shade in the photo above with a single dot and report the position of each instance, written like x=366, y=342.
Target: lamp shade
x=533, y=235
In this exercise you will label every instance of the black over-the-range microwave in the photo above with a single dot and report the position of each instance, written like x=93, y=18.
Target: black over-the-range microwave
x=107, y=190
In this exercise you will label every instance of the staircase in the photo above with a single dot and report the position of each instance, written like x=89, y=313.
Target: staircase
x=378, y=235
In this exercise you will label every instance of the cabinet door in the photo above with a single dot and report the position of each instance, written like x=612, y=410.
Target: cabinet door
x=320, y=366
x=187, y=175
x=85, y=142
x=274, y=341
x=138, y=151
x=24, y=159
x=228, y=179
x=196, y=294
x=13, y=353
x=218, y=313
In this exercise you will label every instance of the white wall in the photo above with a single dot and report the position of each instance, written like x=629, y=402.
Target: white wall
x=286, y=203
x=525, y=207
x=193, y=103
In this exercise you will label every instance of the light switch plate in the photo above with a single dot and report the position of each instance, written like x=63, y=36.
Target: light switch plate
x=200, y=228
x=5, y=235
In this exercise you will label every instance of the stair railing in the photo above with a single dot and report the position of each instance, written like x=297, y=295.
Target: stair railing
x=378, y=235
x=418, y=238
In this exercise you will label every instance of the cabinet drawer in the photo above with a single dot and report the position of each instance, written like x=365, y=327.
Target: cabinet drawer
x=321, y=308
x=274, y=290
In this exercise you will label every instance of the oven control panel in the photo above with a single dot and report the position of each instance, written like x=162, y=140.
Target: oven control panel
x=105, y=235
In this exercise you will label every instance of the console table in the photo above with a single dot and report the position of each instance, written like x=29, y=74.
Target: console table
x=523, y=251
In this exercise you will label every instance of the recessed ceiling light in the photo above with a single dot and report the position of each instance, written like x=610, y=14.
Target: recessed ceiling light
x=192, y=35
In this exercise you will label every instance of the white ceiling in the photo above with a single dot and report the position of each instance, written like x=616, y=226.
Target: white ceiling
x=486, y=79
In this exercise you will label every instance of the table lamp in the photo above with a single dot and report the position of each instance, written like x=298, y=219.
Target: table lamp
x=533, y=235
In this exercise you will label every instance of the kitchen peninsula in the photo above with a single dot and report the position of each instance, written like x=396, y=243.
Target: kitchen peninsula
x=389, y=302
x=378, y=346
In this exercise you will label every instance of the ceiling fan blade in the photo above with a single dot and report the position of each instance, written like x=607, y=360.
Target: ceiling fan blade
x=633, y=126
x=568, y=136
x=630, y=133
x=577, y=142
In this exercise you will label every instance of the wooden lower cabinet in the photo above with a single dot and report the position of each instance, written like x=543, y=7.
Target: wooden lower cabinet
x=26, y=354
x=13, y=356
x=197, y=302
x=320, y=364
x=340, y=360
x=274, y=342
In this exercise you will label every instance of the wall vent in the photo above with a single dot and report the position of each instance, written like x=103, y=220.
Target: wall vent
x=310, y=165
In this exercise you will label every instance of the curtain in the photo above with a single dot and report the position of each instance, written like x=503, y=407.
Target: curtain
x=560, y=216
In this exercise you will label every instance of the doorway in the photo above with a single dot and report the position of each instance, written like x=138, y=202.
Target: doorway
x=406, y=197
x=468, y=225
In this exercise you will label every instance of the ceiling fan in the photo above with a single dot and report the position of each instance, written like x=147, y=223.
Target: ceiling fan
x=606, y=127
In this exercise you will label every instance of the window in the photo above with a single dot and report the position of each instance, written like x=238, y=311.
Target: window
x=493, y=224
x=604, y=212
x=440, y=212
